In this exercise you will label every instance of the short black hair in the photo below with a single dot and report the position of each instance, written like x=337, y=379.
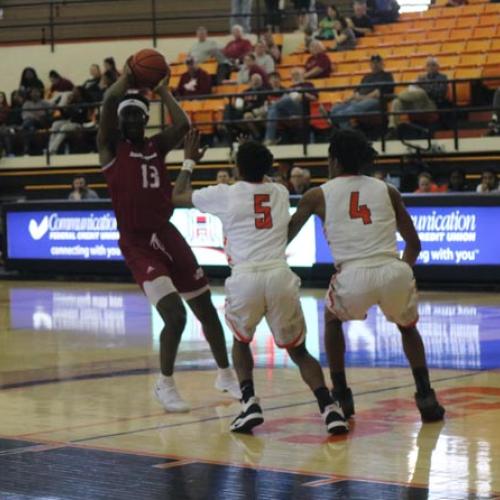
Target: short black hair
x=54, y=74
x=254, y=161
x=352, y=150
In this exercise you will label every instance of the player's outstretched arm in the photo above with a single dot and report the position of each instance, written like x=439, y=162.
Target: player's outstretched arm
x=107, y=134
x=313, y=202
x=182, y=193
x=172, y=135
x=405, y=227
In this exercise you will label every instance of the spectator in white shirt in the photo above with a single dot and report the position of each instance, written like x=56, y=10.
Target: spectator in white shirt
x=263, y=59
x=489, y=182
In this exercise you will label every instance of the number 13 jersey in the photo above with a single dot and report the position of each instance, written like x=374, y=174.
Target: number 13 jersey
x=139, y=187
x=360, y=222
x=254, y=218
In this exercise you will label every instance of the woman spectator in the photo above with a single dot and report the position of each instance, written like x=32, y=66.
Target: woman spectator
x=263, y=59
x=456, y=181
x=29, y=80
x=343, y=35
x=425, y=184
x=489, y=182
x=107, y=79
x=326, y=25
x=60, y=88
x=91, y=90
x=272, y=49
x=318, y=65
x=110, y=65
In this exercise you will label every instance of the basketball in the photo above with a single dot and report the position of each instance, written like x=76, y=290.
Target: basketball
x=149, y=67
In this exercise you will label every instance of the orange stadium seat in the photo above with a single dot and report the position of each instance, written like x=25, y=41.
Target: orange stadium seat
x=464, y=89
x=356, y=55
x=488, y=20
x=209, y=67
x=403, y=50
x=466, y=22
x=397, y=64
x=477, y=45
x=445, y=24
x=492, y=8
x=417, y=62
x=471, y=60
x=336, y=57
x=437, y=36
x=225, y=89
x=471, y=10
x=338, y=81
x=352, y=67
x=460, y=34
x=430, y=49
x=294, y=60
x=495, y=45
x=410, y=76
x=448, y=61
x=452, y=47
x=484, y=32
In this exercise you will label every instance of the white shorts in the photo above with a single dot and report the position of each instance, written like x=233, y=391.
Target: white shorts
x=271, y=292
x=355, y=289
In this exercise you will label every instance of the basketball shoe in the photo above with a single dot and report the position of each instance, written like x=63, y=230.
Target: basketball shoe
x=334, y=419
x=226, y=381
x=429, y=407
x=166, y=393
x=346, y=401
x=250, y=416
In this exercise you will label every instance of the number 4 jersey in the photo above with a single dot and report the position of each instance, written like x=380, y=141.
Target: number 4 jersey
x=139, y=187
x=254, y=218
x=360, y=221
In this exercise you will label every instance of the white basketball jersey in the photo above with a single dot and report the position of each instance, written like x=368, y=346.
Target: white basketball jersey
x=254, y=217
x=360, y=221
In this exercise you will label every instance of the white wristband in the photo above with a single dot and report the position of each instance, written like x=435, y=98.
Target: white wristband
x=188, y=165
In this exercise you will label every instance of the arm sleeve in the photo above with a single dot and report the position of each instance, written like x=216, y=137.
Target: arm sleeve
x=212, y=200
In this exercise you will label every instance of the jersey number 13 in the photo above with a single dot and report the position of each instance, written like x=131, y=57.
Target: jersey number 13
x=150, y=176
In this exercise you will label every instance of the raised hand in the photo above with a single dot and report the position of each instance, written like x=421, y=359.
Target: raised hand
x=192, y=150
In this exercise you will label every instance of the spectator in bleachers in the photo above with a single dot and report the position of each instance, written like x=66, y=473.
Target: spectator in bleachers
x=35, y=115
x=13, y=124
x=223, y=177
x=298, y=181
x=249, y=68
x=306, y=17
x=326, y=25
x=494, y=125
x=368, y=95
x=383, y=11
x=110, y=65
x=456, y=181
x=263, y=59
x=91, y=90
x=205, y=49
x=456, y=3
x=107, y=79
x=73, y=117
x=293, y=104
x=272, y=49
x=238, y=47
x=81, y=191
x=307, y=178
x=275, y=84
x=241, y=11
x=318, y=65
x=426, y=184
x=489, y=182
x=343, y=35
x=60, y=88
x=29, y=80
x=360, y=22
x=195, y=81
x=248, y=107
x=427, y=95
x=273, y=15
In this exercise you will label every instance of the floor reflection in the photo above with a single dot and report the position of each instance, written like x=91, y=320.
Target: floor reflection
x=456, y=336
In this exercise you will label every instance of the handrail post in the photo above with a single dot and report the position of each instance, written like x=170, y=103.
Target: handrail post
x=51, y=26
x=455, y=116
x=258, y=14
x=153, y=21
x=306, y=123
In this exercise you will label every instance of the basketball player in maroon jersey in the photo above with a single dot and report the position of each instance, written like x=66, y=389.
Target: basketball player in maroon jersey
x=159, y=258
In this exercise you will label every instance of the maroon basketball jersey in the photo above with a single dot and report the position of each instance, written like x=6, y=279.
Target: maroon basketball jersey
x=140, y=188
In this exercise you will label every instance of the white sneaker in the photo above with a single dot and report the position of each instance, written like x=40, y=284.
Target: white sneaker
x=167, y=395
x=226, y=381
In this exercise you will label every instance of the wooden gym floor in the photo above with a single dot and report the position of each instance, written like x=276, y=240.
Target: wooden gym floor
x=78, y=421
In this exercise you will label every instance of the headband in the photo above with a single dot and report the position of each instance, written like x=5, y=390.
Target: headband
x=133, y=102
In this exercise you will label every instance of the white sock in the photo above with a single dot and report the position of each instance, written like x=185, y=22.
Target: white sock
x=226, y=372
x=167, y=381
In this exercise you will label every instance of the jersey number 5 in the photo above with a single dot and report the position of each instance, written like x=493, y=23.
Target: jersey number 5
x=266, y=220
x=357, y=211
x=150, y=176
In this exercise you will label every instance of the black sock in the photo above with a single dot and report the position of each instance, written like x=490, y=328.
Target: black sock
x=421, y=376
x=247, y=390
x=323, y=397
x=339, y=381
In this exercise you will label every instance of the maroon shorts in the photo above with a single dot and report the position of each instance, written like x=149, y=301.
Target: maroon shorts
x=163, y=263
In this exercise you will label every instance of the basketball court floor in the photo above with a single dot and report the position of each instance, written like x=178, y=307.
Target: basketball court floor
x=78, y=420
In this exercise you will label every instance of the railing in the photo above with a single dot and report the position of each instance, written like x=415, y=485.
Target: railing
x=153, y=17
x=304, y=120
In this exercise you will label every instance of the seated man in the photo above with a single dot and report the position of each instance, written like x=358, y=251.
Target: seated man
x=292, y=104
x=360, y=22
x=248, y=107
x=81, y=191
x=426, y=184
x=367, y=97
x=195, y=81
x=318, y=65
x=249, y=68
x=429, y=92
x=263, y=58
x=234, y=53
x=205, y=49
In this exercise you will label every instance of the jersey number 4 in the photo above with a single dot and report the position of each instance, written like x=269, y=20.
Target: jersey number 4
x=357, y=211
x=150, y=176
x=265, y=220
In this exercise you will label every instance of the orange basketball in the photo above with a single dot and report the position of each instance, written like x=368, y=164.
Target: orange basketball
x=149, y=67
